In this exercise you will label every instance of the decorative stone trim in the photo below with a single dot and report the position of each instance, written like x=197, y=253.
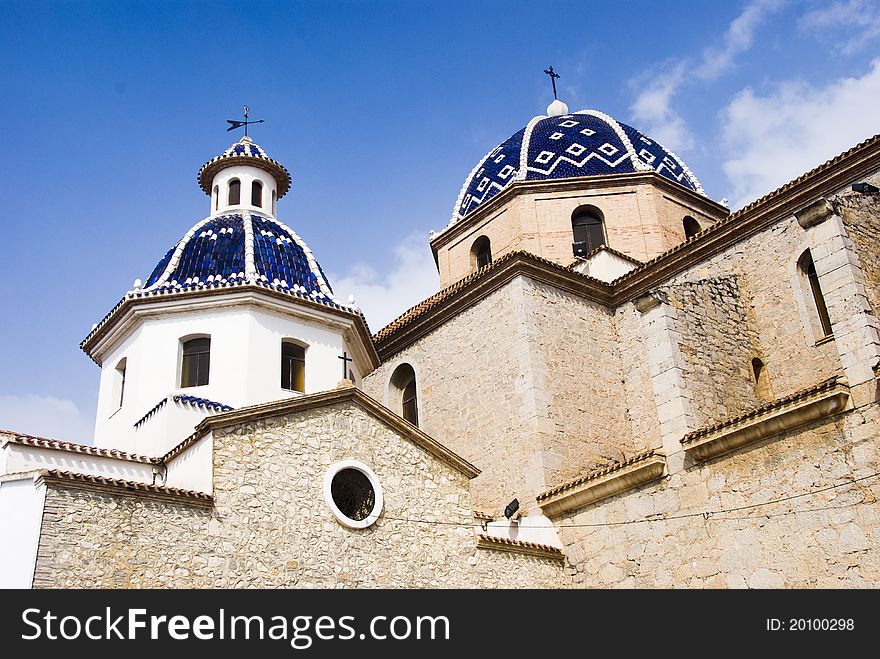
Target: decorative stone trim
x=602, y=483
x=478, y=514
x=519, y=547
x=204, y=289
x=815, y=213
x=52, y=476
x=823, y=400
x=323, y=399
x=8, y=437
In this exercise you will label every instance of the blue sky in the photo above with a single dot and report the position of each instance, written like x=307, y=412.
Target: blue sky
x=379, y=110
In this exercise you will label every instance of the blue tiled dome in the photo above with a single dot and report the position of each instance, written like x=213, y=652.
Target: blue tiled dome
x=584, y=143
x=242, y=248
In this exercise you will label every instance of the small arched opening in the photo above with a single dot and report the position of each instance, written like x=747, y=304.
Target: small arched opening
x=588, y=229
x=405, y=393
x=481, y=253
x=257, y=194
x=234, y=196
x=691, y=227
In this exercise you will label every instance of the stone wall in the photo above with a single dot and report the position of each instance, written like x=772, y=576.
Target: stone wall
x=479, y=393
x=270, y=526
x=828, y=540
x=771, y=298
x=861, y=216
x=526, y=384
x=576, y=346
x=717, y=343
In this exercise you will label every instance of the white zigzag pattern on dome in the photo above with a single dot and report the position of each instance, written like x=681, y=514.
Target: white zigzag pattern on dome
x=250, y=275
x=522, y=172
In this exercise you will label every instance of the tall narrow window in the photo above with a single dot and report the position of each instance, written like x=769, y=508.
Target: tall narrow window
x=403, y=388
x=481, y=252
x=293, y=367
x=216, y=197
x=691, y=227
x=257, y=194
x=234, y=192
x=588, y=229
x=762, y=379
x=808, y=273
x=120, y=381
x=274, y=199
x=196, y=362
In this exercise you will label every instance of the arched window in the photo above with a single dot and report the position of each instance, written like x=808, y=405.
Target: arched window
x=273, y=202
x=762, y=379
x=293, y=366
x=587, y=226
x=691, y=227
x=120, y=381
x=216, y=197
x=810, y=283
x=196, y=362
x=481, y=252
x=257, y=194
x=234, y=192
x=403, y=385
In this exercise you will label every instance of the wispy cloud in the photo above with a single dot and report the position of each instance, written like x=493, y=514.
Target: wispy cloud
x=775, y=137
x=654, y=109
x=738, y=38
x=854, y=23
x=47, y=416
x=382, y=298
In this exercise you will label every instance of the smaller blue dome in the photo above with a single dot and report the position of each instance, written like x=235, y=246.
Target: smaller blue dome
x=242, y=248
x=244, y=152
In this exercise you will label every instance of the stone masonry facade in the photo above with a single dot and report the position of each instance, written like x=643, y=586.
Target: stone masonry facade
x=269, y=526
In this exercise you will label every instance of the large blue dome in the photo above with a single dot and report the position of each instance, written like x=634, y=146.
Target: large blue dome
x=242, y=248
x=584, y=143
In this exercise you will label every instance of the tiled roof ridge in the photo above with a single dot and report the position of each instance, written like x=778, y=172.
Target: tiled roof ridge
x=597, y=472
x=818, y=388
x=734, y=217
x=605, y=248
x=524, y=544
x=201, y=402
x=125, y=484
x=413, y=312
x=72, y=447
x=150, y=412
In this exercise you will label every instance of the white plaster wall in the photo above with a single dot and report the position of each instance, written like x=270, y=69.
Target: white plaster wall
x=192, y=469
x=247, y=174
x=20, y=458
x=604, y=266
x=168, y=426
x=245, y=366
x=21, y=510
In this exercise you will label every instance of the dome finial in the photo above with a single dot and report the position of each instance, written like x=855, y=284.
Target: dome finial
x=235, y=123
x=557, y=108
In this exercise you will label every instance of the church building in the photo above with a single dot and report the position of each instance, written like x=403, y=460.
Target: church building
x=619, y=384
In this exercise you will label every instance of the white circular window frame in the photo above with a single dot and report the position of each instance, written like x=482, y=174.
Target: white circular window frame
x=341, y=517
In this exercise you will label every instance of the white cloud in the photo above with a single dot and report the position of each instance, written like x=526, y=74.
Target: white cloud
x=737, y=40
x=774, y=138
x=653, y=108
x=46, y=416
x=859, y=20
x=412, y=278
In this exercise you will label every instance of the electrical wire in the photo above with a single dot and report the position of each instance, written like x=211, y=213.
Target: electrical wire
x=710, y=515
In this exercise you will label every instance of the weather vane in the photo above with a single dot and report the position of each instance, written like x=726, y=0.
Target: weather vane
x=550, y=72
x=234, y=123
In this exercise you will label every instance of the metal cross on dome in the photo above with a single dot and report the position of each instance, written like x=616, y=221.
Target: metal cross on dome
x=234, y=123
x=553, y=75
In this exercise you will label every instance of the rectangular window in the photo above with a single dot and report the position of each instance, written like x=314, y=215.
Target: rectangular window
x=293, y=367
x=196, y=363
